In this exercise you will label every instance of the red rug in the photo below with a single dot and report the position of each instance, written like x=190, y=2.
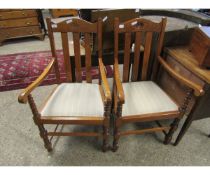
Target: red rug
x=17, y=71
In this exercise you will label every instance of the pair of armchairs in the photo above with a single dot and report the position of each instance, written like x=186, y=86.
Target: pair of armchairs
x=131, y=100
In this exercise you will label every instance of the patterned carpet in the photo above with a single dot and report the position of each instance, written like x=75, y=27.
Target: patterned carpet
x=17, y=71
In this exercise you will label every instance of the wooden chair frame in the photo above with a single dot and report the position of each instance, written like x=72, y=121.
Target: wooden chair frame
x=75, y=26
x=138, y=26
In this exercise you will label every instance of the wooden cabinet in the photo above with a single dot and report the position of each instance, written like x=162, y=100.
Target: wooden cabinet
x=200, y=46
x=19, y=23
x=56, y=13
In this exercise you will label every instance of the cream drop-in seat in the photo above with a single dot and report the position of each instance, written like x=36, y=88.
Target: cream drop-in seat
x=145, y=97
x=75, y=99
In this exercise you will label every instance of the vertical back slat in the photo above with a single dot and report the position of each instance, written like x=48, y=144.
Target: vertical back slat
x=88, y=58
x=116, y=38
x=158, y=52
x=147, y=49
x=135, y=67
x=52, y=46
x=76, y=39
x=126, y=57
x=67, y=63
x=99, y=38
x=161, y=36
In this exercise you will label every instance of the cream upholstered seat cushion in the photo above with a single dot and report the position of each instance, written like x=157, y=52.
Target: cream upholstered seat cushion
x=145, y=97
x=75, y=99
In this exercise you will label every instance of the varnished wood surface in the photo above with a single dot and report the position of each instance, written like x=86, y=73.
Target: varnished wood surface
x=53, y=49
x=147, y=30
x=76, y=26
x=11, y=33
x=118, y=84
x=111, y=14
x=186, y=63
x=126, y=65
x=16, y=14
x=20, y=23
x=125, y=133
x=65, y=45
x=105, y=83
x=56, y=13
x=80, y=134
x=198, y=90
x=147, y=27
x=143, y=25
x=147, y=51
x=23, y=97
x=88, y=58
x=200, y=46
x=76, y=39
x=137, y=58
x=80, y=120
x=150, y=117
x=186, y=58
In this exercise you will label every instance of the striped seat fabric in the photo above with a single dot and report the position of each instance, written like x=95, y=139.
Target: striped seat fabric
x=75, y=99
x=145, y=97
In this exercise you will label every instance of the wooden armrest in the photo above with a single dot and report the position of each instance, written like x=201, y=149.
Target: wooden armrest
x=23, y=97
x=198, y=90
x=107, y=92
x=118, y=83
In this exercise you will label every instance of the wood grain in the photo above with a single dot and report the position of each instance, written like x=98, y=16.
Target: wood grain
x=67, y=64
x=135, y=68
x=76, y=39
x=53, y=50
x=19, y=23
x=105, y=83
x=125, y=133
x=23, y=97
x=146, y=58
x=143, y=29
x=126, y=65
x=198, y=90
x=187, y=59
x=88, y=58
x=118, y=84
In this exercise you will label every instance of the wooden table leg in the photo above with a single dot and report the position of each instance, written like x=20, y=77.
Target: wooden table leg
x=185, y=127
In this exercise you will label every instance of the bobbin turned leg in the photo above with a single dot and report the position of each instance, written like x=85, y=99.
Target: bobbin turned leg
x=174, y=127
x=105, y=138
x=117, y=124
x=116, y=139
x=42, y=130
x=107, y=109
x=43, y=135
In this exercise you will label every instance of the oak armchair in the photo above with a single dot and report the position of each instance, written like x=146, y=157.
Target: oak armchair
x=73, y=103
x=137, y=95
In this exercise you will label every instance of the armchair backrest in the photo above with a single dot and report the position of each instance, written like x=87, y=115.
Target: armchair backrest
x=144, y=32
x=76, y=26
